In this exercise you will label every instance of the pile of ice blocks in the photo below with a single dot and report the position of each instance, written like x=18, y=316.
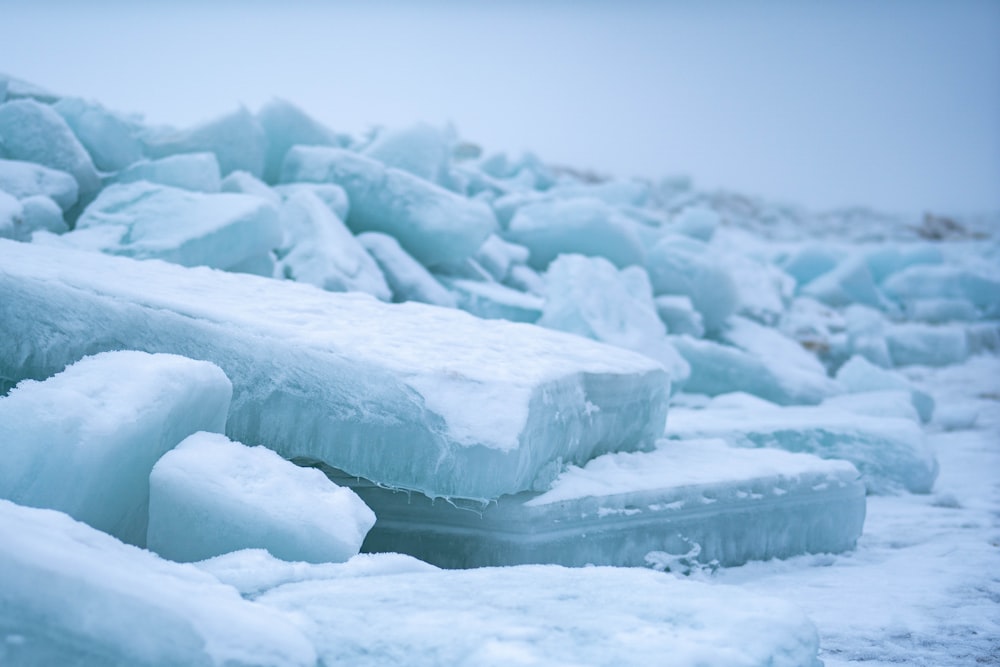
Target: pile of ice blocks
x=259, y=334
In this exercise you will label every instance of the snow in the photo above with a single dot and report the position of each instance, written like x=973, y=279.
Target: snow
x=26, y=179
x=210, y=496
x=84, y=440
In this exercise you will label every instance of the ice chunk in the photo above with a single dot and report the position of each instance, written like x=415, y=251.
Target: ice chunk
x=679, y=315
x=84, y=441
x=615, y=192
x=324, y=252
x=16, y=89
x=891, y=453
x=149, y=221
x=285, y=126
x=188, y=171
x=584, y=226
x=730, y=505
x=849, y=282
x=406, y=277
x=945, y=282
x=720, y=369
x=697, y=222
x=41, y=213
x=885, y=403
x=210, y=496
x=422, y=150
x=866, y=331
x=243, y=182
x=26, y=179
x=525, y=279
x=860, y=375
x=764, y=290
x=494, y=301
x=237, y=139
x=11, y=218
x=72, y=595
x=927, y=344
x=589, y=297
x=498, y=256
x=332, y=195
x=34, y=132
x=816, y=326
x=545, y=615
x=938, y=311
x=810, y=262
x=405, y=395
x=110, y=139
x=686, y=267
x=434, y=225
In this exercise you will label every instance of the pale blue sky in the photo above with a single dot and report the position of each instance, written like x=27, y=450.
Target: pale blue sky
x=894, y=104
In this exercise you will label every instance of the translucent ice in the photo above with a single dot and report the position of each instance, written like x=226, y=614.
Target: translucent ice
x=589, y=297
x=860, y=375
x=421, y=149
x=84, y=440
x=495, y=301
x=730, y=505
x=849, y=282
x=809, y=262
x=945, y=281
x=332, y=195
x=678, y=314
x=27, y=179
x=405, y=395
x=41, y=213
x=209, y=496
x=697, y=222
x=497, y=256
x=323, y=252
x=891, y=453
x=927, y=344
x=285, y=126
x=406, y=277
x=110, y=139
x=237, y=139
x=243, y=182
x=434, y=225
x=71, y=595
x=584, y=226
x=545, y=615
x=34, y=132
x=149, y=221
x=189, y=171
x=682, y=266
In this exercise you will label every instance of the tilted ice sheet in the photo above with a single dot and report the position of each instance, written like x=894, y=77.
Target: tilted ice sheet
x=544, y=615
x=238, y=140
x=407, y=395
x=25, y=179
x=84, y=441
x=71, y=595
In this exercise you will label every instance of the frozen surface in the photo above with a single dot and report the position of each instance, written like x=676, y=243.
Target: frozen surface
x=679, y=315
x=26, y=179
x=405, y=395
x=860, y=375
x=109, y=138
x=927, y=344
x=491, y=300
x=407, y=278
x=40, y=213
x=890, y=452
x=11, y=218
x=71, y=595
x=433, y=224
x=285, y=125
x=83, y=441
x=849, y=282
x=421, y=149
x=686, y=267
x=189, y=171
x=209, y=496
x=148, y=221
x=237, y=139
x=699, y=500
x=544, y=615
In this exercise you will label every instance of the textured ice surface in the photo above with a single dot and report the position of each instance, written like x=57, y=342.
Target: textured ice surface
x=434, y=225
x=679, y=315
x=33, y=132
x=237, y=139
x=109, y=139
x=40, y=213
x=209, y=496
x=421, y=149
x=497, y=256
x=589, y=297
x=332, y=195
x=884, y=403
x=11, y=218
x=243, y=182
x=406, y=395
x=810, y=261
x=679, y=265
x=83, y=442
x=849, y=282
x=927, y=344
x=583, y=226
x=189, y=171
x=323, y=252
x=407, y=278
x=891, y=453
x=71, y=595
x=544, y=615
x=697, y=222
x=945, y=281
x=725, y=504
x=720, y=369
x=285, y=125
x=148, y=221
x=860, y=375
x=26, y=179
x=494, y=301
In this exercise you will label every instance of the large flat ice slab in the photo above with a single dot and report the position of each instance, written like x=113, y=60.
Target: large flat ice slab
x=83, y=441
x=545, y=615
x=71, y=595
x=407, y=395
x=700, y=497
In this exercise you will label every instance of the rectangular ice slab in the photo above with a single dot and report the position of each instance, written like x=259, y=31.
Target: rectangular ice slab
x=84, y=441
x=71, y=595
x=407, y=395
x=724, y=504
x=542, y=615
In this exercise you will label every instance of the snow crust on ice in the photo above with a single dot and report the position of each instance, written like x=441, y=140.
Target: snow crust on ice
x=26, y=179
x=537, y=614
x=433, y=224
x=72, y=595
x=83, y=441
x=210, y=496
x=402, y=394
